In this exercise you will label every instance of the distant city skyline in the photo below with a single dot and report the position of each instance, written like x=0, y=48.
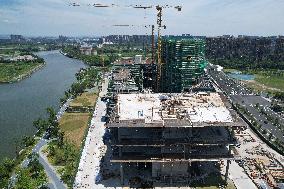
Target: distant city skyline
x=198, y=17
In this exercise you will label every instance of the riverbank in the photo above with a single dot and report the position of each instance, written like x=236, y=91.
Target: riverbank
x=75, y=124
x=24, y=157
x=102, y=59
x=15, y=72
x=25, y=101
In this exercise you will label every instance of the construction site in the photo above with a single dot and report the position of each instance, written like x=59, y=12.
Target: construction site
x=180, y=132
x=182, y=68
x=161, y=129
x=170, y=125
x=173, y=136
x=167, y=124
x=262, y=165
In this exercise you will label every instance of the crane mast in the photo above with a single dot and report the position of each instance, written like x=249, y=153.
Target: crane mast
x=159, y=27
x=153, y=44
x=159, y=49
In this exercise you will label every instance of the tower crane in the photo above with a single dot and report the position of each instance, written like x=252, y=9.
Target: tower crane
x=160, y=26
x=159, y=9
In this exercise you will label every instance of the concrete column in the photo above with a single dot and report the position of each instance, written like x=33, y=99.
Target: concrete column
x=184, y=151
x=227, y=171
x=119, y=151
x=121, y=174
x=227, y=167
x=172, y=166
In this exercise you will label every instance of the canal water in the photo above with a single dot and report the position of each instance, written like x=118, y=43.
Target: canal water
x=23, y=102
x=240, y=76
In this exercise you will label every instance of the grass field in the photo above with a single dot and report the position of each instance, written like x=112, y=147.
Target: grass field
x=271, y=81
x=10, y=72
x=267, y=83
x=229, y=70
x=74, y=125
x=84, y=100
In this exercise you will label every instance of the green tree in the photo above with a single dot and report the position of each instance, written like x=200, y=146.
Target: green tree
x=279, y=95
x=40, y=124
x=264, y=131
x=54, y=129
x=270, y=136
x=25, y=181
x=77, y=88
x=60, y=139
x=34, y=165
x=52, y=114
x=6, y=168
x=28, y=141
x=33, y=176
x=53, y=125
x=257, y=105
x=51, y=150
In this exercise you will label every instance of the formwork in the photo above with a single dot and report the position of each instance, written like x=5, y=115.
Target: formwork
x=183, y=63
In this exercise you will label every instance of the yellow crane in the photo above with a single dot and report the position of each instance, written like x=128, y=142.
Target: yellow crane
x=159, y=48
x=159, y=9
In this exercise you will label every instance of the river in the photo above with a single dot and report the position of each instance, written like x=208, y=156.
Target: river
x=23, y=102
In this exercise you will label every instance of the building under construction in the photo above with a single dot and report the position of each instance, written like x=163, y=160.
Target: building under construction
x=171, y=138
x=183, y=62
x=131, y=77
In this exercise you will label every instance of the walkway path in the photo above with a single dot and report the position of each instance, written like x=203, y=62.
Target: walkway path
x=89, y=166
x=54, y=179
x=240, y=178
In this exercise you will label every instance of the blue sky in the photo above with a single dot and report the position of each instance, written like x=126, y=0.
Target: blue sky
x=198, y=17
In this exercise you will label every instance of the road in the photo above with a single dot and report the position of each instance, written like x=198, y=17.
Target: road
x=239, y=94
x=26, y=161
x=249, y=102
x=55, y=182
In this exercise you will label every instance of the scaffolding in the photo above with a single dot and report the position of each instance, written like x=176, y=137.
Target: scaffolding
x=184, y=63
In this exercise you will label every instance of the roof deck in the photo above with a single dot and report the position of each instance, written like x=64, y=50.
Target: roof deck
x=173, y=110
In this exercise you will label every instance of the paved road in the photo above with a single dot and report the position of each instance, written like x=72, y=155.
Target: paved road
x=249, y=103
x=228, y=85
x=55, y=182
x=26, y=161
x=238, y=93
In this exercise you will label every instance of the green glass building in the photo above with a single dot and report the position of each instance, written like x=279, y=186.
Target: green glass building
x=183, y=63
